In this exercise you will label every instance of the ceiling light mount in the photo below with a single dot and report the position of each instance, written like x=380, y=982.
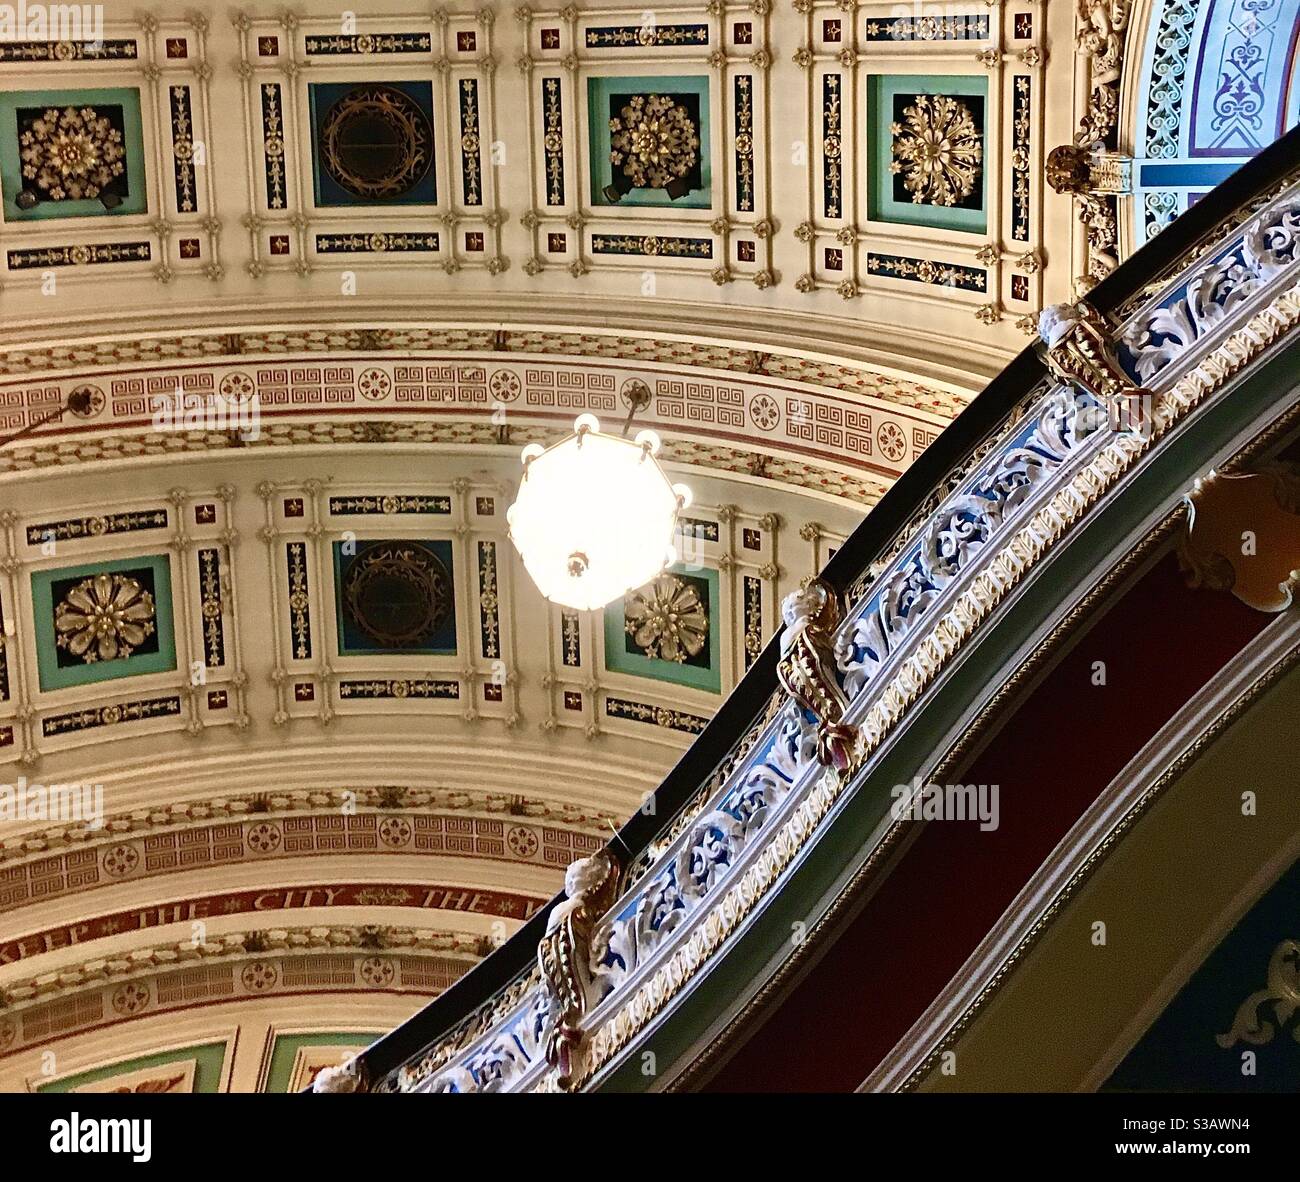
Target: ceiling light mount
x=596, y=514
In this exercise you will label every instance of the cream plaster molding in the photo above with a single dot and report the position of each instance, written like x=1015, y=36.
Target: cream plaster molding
x=253, y=966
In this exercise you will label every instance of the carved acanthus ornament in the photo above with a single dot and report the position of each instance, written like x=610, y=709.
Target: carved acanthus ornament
x=937, y=149
x=807, y=667
x=564, y=958
x=347, y=1077
x=1281, y=994
x=1090, y=169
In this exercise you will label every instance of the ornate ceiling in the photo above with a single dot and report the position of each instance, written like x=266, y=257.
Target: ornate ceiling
x=868, y=182
x=314, y=281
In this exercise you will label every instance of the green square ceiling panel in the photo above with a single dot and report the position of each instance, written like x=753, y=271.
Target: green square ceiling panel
x=71, y=154
x=103, y=620
x=928, y=150
x=649, y=141
x=668, y=630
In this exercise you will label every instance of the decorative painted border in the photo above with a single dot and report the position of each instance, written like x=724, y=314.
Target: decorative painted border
x=645, y=36
x=380, y=242
x=182, y=127
x=212, y=607
x=4, y=659
x=380, y=505
x=76, y=528
x=753, y=616
x=235, y=965
x=652, y=246
x=571, y=639
x=89, y=254
x=488, y=603
x=697, y=527
x=832, y=146
x=661, y=716
x=159, y=850
x=553, y=139
x=927, y=28
x=68, y=51
x=249, y=346
x=299, y=602
x=378, y=689
x=927, y=271
x=75, y=721
x=384, y=800
x=366, y=44
x=1021, y=106
x=743, y=141
x=273, y=133
x=471, y=147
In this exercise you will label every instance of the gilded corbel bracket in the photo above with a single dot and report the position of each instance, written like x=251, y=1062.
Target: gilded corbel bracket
x=1078, y=349
x=807, y=667
x=564, y=959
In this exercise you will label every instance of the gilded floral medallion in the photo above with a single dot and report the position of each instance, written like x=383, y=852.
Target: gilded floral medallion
x=104, y=617
x=654, y=141
x=937, y=150
x=71, y=153
x=667, y=620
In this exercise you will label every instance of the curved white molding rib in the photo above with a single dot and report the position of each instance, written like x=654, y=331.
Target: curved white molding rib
x=1108, y=814
x=1016, y=500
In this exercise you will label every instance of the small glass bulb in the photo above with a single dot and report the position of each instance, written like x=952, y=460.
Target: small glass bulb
x=650, y=441
x=531, y=452
x=586, y=423
x=684, y=495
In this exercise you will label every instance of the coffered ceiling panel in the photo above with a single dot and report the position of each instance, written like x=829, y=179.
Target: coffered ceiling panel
x=865, y=181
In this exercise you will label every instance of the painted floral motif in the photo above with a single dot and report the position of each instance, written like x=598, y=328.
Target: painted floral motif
x=654, y=140
x=72, y=154
x=938, y=150
x=666, y=619
x=104, y=617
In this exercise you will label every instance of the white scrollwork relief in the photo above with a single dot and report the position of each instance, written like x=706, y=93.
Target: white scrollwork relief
x=1267, y=247
x=958, y=531
x=713, y=845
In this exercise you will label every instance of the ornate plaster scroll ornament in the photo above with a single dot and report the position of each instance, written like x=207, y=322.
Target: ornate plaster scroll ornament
x=1243, y=535
x=1077, y=350
x=807, y=667
x=1272, y=1009
x=564, y=957
x=347, y=1077
x=1100, y=36
x=1089, y=169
